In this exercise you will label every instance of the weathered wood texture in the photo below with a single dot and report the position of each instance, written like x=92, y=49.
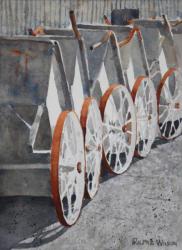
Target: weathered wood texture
x=16, y=16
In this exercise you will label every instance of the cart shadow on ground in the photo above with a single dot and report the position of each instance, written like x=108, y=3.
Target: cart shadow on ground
x=30, y=218
x=27, y=222
x=158, y=142
x=105, y=176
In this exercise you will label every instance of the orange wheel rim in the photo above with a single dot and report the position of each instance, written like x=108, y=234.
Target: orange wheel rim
x=55, y=158
x=117, y=163
x=149, y=119
x=169, y=127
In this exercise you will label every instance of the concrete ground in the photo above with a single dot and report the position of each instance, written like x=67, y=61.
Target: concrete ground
x=141, y=209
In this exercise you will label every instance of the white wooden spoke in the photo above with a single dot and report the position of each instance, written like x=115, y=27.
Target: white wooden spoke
x=115, y=115
x=163, y=112
x=110, y=127
x=170, y=107
x=93, y=146
x=171, y=123
x=71, y=169
x=119, y=119
x=146, y=108
x=167, y=93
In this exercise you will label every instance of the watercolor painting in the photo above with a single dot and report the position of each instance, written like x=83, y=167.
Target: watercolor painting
x=90, y=124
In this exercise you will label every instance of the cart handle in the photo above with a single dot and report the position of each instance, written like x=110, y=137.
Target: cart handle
x=107, y=20
x=176, y=23
x=103, y=40
x=166, y=22
x=74, y=24
x=37, y=31
x=130, y=37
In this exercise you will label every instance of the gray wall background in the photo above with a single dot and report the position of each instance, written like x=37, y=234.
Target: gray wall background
x=16, y=16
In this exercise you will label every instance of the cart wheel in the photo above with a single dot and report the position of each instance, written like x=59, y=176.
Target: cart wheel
x=169, y=97
x=92, y=126
x=119, y=128
x=144, y=97
x=68, y=168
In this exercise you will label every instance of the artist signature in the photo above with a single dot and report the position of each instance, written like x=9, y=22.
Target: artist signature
x=153, y=242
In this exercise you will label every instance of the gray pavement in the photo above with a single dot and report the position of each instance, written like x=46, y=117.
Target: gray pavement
x=141, y=209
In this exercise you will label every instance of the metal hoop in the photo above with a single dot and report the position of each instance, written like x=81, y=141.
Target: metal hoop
x=169, y=105
x=144, y=97
x=68, y=168
x=119, y=128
